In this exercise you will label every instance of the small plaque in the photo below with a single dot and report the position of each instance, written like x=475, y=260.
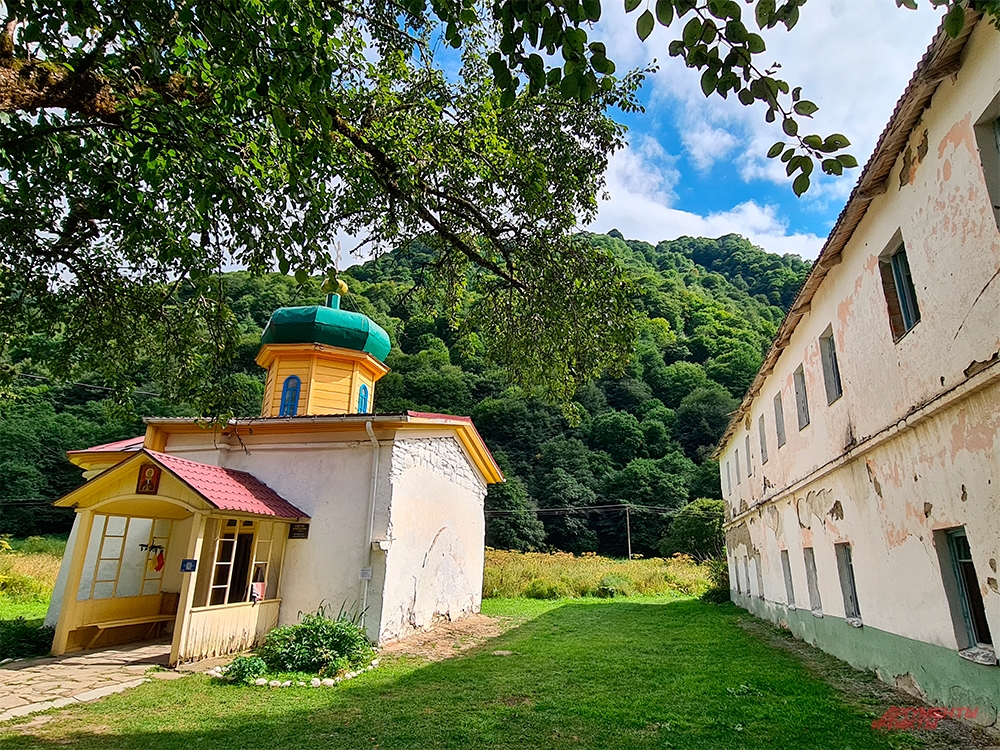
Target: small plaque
x=149, y=480
x=189, y=566
x=366, y=574
x=298, y=531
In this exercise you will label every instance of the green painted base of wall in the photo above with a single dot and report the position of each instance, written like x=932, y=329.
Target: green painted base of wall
x=940, y=674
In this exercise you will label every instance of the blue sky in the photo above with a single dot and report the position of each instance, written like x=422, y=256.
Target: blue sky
x=697, y=166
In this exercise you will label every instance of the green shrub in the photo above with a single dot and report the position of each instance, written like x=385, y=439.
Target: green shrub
x=539, y=589
x=20, y=587
x=718, y=577
x=317, y=645
x=21, y=639
x=614, y=585
x=245, y=669
x=696, y=530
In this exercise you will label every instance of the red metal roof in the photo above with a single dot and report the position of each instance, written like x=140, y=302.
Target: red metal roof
x=228, y=489
x=131, y=444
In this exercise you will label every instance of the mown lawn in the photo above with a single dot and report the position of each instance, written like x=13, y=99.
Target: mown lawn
x=640, y=673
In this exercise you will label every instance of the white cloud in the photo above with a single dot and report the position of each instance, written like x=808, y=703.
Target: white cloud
x=640, y=206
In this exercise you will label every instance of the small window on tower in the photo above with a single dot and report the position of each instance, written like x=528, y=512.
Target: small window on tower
x=290, y=396
x=363, y=399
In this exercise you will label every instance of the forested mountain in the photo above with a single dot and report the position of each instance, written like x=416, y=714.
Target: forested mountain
x=707, y=312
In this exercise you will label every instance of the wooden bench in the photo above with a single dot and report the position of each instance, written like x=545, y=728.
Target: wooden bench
x=152, y=620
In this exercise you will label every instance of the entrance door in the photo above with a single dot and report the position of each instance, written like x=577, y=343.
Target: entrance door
x=240, y=583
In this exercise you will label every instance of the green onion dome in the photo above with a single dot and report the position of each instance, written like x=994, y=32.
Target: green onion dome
x=318, y=324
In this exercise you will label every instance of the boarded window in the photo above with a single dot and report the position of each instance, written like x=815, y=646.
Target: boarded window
x=729, y=480
x=831, y=372
x=812, y=583
x=971, y=597
x=801, y=400
x=900, y=296
x=746, y=445
x=779, y=419
x=746, y=575
x=736, y=459
x=845, y=567
x=786, y=570
x=763, y=439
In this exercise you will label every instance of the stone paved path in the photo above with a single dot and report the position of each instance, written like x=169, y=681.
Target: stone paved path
x=56, y=681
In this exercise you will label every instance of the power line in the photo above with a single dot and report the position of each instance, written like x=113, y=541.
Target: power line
x=83, y=385
x=585, y=509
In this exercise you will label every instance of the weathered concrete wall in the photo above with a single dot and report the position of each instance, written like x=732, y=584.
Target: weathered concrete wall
x=428, y=508
x=434, y=567
x=910, y=448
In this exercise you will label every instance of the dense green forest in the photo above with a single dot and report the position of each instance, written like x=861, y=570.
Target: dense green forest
x=707, y=310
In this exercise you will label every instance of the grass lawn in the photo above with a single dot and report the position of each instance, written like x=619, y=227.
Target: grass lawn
x=601, y=674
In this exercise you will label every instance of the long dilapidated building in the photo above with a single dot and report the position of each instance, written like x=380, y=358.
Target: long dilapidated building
x=862, y=471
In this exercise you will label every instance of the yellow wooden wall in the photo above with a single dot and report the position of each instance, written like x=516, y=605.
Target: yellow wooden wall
x=329, y=385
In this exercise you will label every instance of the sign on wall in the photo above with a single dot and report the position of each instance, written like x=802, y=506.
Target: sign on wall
x=298, y=531
x=148, y=482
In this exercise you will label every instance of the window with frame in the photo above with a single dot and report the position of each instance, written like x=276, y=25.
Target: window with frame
x=363, y=399
x=779, y=419
x=290, y=396
x=246, y=561
x=831, y=372
x=801, y=399
x=736, y=460
x=125, y=557
x=763, y=439
x=970, y=596
x=900, y=295
x=988, y=136
x=746, y=445
x=786, y=571
x=845, y=568
x=729, y=480
x=812, y=582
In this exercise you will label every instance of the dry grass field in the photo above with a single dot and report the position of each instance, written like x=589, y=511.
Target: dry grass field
x=554, y=575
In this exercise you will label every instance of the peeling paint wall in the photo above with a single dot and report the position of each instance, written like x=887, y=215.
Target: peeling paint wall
x=428, y=512
x=436, y=529
x=911, y=448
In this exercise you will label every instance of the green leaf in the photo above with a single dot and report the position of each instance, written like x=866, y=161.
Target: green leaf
x=775, y=149
x=593, y=9
x=800, y=185
x=847, y=161
x=644, y=25
x=664, y=12
x=954, y=21
x=836, y=141
x=833, y=166
x=790, y=126
x=284, y=265
x=631, y=5
x=755, y=43
x=709, y=81
x=805, y=108
x=746, y=97
x=692, y=32
x=301, y=276
x=764, y=12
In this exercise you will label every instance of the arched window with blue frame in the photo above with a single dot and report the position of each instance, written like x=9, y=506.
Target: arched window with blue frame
x=363, y=399
x=290, y=396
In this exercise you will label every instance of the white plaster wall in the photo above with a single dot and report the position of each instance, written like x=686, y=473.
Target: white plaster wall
x=932, y=477
x=331, y=482
x=953, y=246
x=941, y=473
x=434, y=566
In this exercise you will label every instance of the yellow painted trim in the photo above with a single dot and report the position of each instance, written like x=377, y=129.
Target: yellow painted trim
x=67, y=612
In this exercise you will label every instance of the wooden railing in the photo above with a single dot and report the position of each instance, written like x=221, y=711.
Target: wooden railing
x=227, y=628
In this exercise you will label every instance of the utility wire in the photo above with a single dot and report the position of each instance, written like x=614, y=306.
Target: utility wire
x=83, y=385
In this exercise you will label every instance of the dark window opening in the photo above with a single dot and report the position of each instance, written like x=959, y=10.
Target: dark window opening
x=973, y=608
x=900, y=295
x=801, y=399
x=786, y=569
x=779, y=419
x=290, y=396
x=845, y=567
x=831, y=372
